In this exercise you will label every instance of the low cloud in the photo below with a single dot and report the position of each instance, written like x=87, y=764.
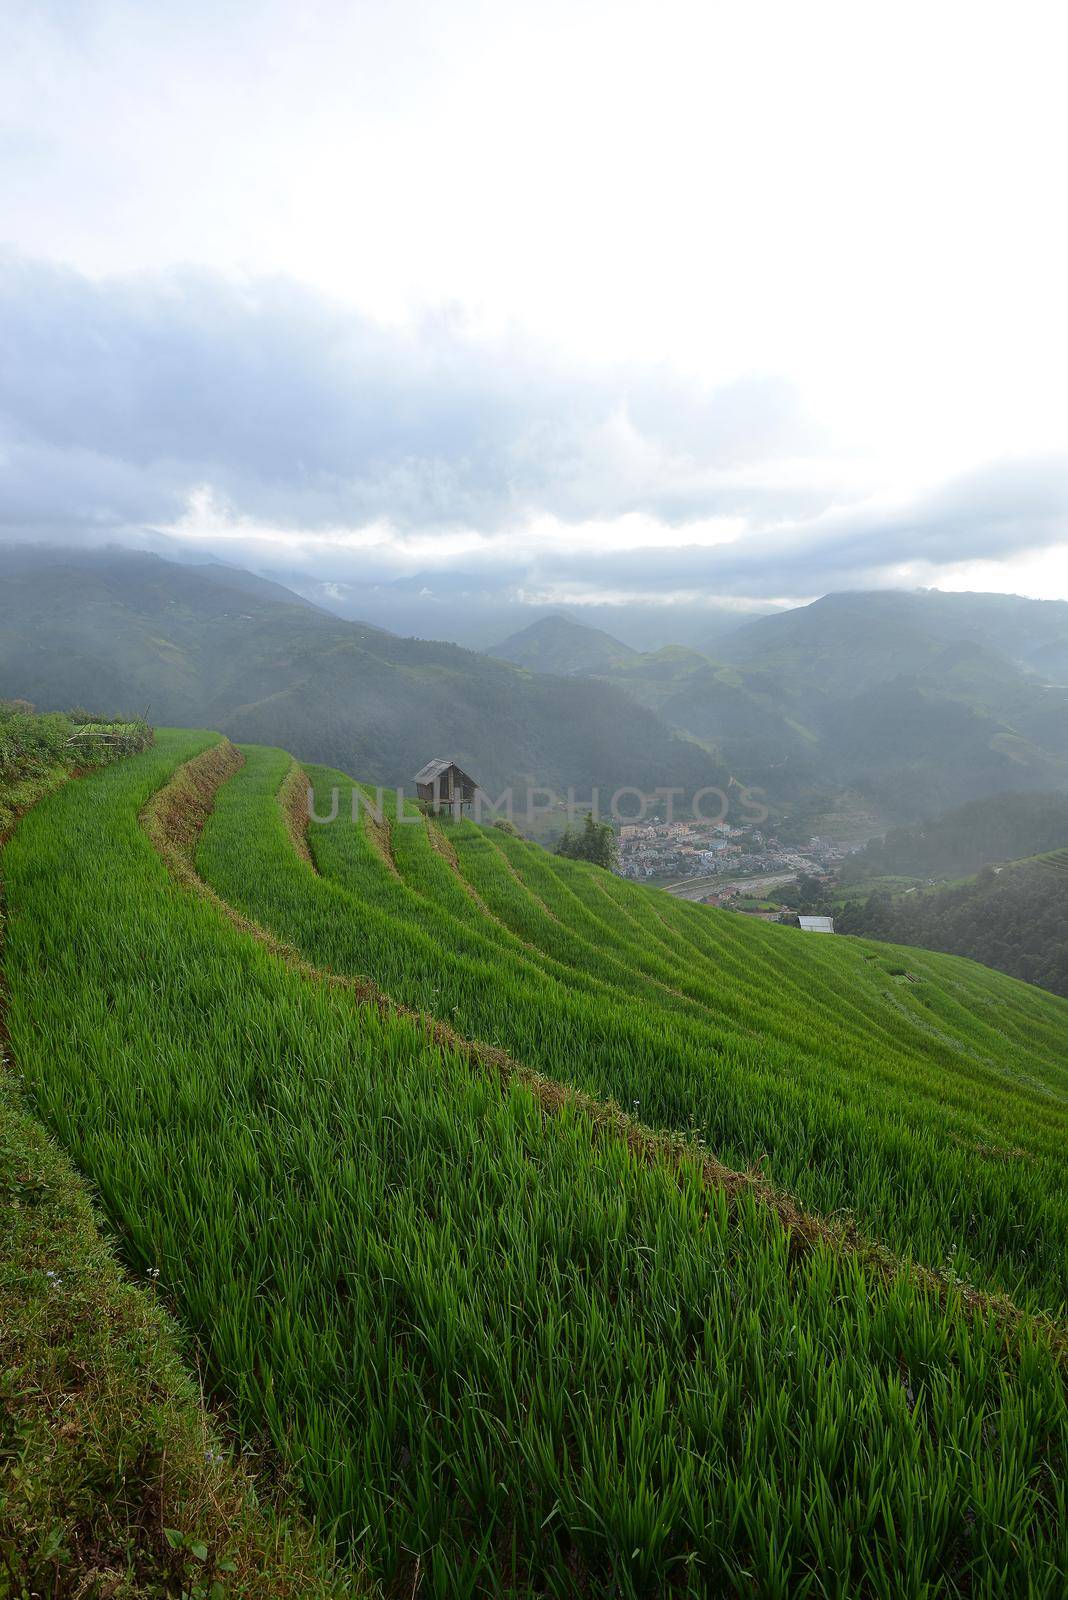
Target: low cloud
x=270, y=424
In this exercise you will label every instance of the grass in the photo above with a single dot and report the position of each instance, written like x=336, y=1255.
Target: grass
x=503, y=1349
x=934, y=1113
x=114, y=1480
x=37, y=753
x=1050, y=861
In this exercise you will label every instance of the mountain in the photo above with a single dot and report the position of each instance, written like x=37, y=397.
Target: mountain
x=888, y=697
x=745, y=717
x=748, y=718
x=908, y=704
x=556, y=644
x=460, y=607
x=121, y=630
x=851, y=641
x=1002, y=828
x=478, y=610
x=251, y=583
x=924, y=700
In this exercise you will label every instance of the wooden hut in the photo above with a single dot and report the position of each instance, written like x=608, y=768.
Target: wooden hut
x=444, y=785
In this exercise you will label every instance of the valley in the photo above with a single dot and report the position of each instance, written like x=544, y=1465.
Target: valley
x=533, y=801
x=844, y=717
x=480, y=1182
x=906, y=703
x=706, y=889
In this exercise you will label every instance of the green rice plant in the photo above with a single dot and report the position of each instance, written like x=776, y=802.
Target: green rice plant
x=937, y=1146
x=502, y=1351
x=114, y=1478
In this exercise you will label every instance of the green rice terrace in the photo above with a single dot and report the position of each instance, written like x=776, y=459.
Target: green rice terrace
x=532, y=1233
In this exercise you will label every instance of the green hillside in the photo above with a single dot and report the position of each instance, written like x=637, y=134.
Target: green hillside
x=1013, y=918
x=737, y=1030
x=207, y=645
x=1012, y=914
x=853, y=641
x=114, y=1478
x=558, y=1237
x=555, y=644
x=1004, y=827
x=915, y=702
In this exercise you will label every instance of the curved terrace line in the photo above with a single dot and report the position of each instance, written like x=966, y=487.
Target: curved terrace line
x=174, y=818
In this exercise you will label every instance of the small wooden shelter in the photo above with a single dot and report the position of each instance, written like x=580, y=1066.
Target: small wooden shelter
x=444, y=785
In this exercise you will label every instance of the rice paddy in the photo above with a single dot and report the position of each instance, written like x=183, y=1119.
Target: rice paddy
x=932, y=1112
x=501, y=1346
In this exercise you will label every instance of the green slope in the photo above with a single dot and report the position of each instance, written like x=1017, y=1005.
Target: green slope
x=1012, y=918
x=509, y=1343
x=919, y=702
x=123, y=630
x=556, y=644
x=1004, y=827
x=114, y=1478
x=933, y=1108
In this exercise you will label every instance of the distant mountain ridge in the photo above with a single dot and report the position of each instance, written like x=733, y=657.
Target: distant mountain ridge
x=251, y=583
x=915, y=704
x=910, y=705
x=123, y=630
x=881, y=633
x=556, y=644
x=479, y=610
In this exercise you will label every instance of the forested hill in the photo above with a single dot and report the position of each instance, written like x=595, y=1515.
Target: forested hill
x=556, y=644
x=122, y=631
x=1015, y=919
x=852, y=641
x=1004, y=827
x=913, y=702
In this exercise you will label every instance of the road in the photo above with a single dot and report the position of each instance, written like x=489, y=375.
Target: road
x=758, y=888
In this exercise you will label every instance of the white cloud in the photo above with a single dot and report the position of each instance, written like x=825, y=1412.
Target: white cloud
x=770, y=274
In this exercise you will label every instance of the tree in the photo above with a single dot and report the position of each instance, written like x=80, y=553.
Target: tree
x=596, y=843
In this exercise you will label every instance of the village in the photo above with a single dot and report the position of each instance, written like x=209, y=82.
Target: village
x=695, y=856
x=701, y=859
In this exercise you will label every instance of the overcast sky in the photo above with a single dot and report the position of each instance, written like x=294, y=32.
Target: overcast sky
x=739, y=300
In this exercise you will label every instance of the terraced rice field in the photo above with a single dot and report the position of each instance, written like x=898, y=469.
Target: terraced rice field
x=922, y=1096
x=511, y=1341
x=1055, y=861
